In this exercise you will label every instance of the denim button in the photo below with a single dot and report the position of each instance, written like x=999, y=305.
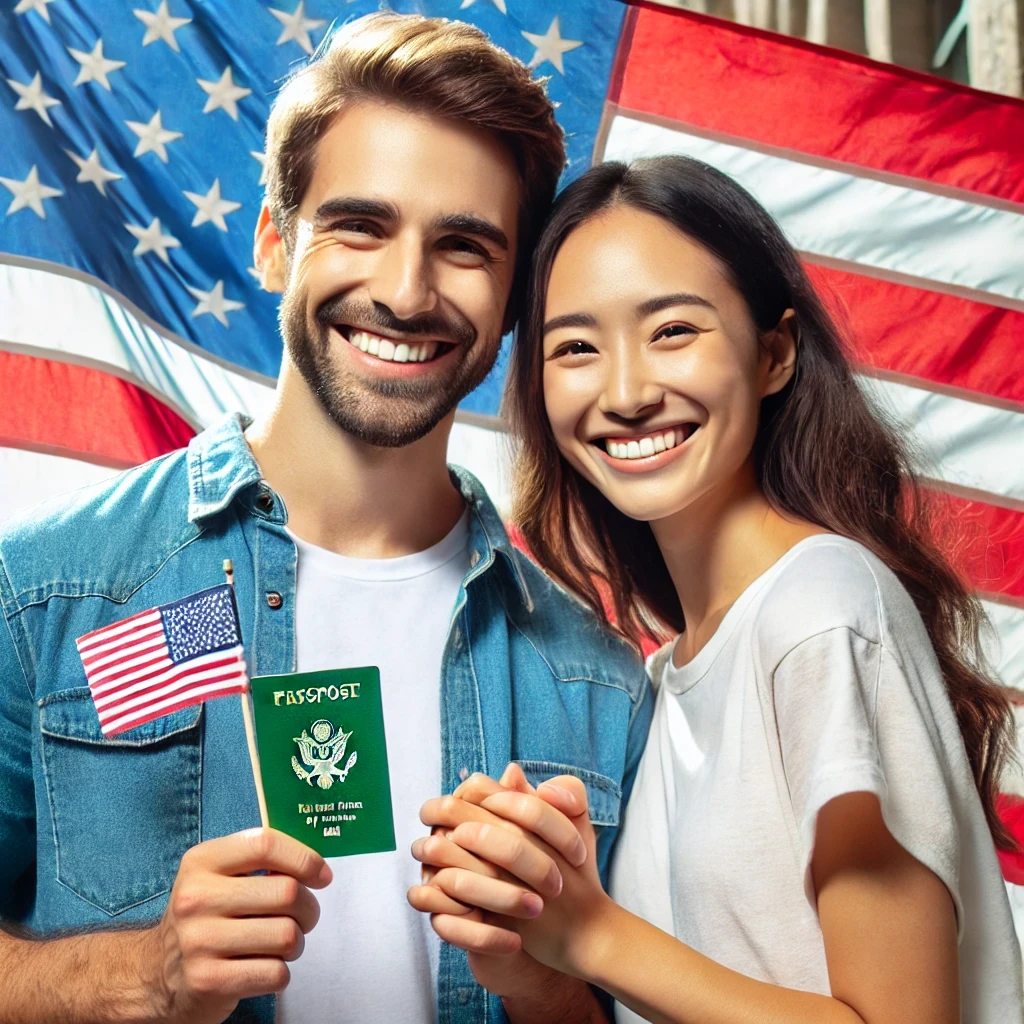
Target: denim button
x=274, y=599
x=464, y=994
x=463, y=773
x=265, y=501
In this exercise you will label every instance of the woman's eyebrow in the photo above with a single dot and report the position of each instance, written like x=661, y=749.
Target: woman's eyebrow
x=656, y=305
x=570, y=320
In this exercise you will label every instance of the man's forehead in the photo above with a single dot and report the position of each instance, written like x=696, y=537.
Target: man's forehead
x=424, y=167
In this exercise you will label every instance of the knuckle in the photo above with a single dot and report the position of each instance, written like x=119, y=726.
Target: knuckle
x=204, y=978
x=188, y=900
x=289, y=890
x=261, y=843
x=447, y=806
x=277, y=977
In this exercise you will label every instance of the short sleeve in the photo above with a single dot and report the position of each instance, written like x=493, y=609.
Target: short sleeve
x=851, y=720
x=17, y=801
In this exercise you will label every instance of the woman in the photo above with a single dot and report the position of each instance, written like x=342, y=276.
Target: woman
x=810, y=834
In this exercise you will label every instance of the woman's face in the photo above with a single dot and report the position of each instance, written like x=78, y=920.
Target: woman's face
x=653, y=368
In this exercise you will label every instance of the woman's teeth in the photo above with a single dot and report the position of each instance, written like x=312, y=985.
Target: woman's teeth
x=643, y=447
x=384, y=348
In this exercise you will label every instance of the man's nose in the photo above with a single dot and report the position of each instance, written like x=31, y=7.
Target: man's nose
x=629, y=390
x=403, y=279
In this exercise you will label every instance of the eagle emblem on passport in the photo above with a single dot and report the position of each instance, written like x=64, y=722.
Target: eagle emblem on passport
x=321, y=749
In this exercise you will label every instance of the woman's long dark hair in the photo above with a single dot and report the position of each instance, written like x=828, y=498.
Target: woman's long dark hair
x=821, y=453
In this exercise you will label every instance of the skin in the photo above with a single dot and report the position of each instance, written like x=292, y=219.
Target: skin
x=423, y=245
x=630, y=361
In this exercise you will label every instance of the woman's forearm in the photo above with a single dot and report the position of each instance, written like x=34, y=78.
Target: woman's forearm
x=667, y=982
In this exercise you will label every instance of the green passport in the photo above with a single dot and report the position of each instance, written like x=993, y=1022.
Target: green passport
x=323, y=759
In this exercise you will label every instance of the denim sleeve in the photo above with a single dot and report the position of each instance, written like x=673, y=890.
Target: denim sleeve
x=17, y=801
x=636, y=740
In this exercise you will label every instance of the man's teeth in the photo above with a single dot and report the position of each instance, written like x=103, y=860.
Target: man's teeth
x=384, y=348
x=646, y=446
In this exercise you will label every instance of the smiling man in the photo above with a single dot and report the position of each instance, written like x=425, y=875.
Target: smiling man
x=409, y=169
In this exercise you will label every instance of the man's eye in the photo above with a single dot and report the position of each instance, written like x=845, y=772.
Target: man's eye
x=359, y=227
x=464, y=247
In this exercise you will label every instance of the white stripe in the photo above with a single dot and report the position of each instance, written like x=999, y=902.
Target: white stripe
x=98, y=681
x=142, y=641
x=55, y=317
x=961, y=442
x=193, y=695
x=1005, y=649
x=88, y=642
x=149, y=699
x=841, y=215
x=133, y=683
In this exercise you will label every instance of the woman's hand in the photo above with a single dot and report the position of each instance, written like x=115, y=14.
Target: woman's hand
x=540, y=882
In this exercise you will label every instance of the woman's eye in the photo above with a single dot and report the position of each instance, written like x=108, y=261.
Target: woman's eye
x=574, y=348
x=675, y=331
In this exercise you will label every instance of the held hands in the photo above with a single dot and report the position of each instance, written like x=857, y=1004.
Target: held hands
x=227, y=934
x=509, y=869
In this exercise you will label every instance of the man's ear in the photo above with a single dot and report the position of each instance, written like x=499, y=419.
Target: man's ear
x=269, y=253
x=778, y=354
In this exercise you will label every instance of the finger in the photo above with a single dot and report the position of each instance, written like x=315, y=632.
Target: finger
x=475, y=936
x=248, y=896
x=239, y=979
x=476, y=787
x=438, y=852
x=517, y=855
x=278, y=937
x=567, y=793
x=539, y=817
x=491, y=894
x=261, y=849
x=515, y=778
x=432, y=900
x=448, y=812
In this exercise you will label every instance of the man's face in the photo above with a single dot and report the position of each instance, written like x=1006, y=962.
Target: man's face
x=404, y=254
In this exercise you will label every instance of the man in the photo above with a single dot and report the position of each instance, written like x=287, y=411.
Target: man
x=409, y=168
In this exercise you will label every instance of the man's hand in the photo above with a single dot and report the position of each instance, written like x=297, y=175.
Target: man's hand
x=226, y=933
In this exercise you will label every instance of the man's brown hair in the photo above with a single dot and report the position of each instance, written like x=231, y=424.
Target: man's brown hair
x=442, y=68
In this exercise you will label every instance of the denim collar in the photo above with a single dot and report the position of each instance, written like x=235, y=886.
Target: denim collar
x=221, y=467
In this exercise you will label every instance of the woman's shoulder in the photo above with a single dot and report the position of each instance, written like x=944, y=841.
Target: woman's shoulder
x=828, y=582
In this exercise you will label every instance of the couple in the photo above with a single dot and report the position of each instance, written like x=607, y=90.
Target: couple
x=810, y=783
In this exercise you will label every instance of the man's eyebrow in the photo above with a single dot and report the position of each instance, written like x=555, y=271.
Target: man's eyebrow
x=471, y=224
x=570, y=320
x=353, y=206
x=656, y=305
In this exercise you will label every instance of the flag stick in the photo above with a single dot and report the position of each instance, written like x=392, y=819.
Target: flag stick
x=250, y=732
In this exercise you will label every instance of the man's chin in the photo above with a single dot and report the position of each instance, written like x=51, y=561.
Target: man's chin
x=388, y=423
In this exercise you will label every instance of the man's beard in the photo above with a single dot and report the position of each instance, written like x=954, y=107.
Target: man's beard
x=381, y=412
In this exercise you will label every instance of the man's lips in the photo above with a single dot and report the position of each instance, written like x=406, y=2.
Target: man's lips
x=638, y=453
x=384, y=349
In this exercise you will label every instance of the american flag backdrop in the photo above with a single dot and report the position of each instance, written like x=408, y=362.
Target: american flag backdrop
x=131, y=154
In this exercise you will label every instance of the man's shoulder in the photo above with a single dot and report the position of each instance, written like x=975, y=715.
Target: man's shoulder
x=572, y=640
x=85, y=538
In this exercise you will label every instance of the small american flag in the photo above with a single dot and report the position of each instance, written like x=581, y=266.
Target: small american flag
x=165, y=659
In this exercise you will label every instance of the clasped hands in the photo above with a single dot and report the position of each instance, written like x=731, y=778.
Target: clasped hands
x=510, y=875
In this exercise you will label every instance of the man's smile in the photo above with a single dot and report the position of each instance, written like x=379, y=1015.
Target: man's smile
x=390, y=349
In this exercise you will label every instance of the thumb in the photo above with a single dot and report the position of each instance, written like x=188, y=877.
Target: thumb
x=514, y=778
x=567, y=794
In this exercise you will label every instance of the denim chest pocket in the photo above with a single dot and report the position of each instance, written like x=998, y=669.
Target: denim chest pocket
x=604, y=795
x=125, y=808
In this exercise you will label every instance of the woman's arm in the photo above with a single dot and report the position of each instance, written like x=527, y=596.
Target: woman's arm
x=888, y=926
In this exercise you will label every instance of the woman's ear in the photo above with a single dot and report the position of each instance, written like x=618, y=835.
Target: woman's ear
x=778, y=354
x=268, y=253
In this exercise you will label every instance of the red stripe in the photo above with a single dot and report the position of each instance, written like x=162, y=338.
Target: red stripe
x=182, y=677
x=1011, y=810
x=939, y=338
x=985, y=543
x=97, y=677
x=83, y=413
x=786, y=93
x=186, y=703
x=156, y=639
x=94, y=635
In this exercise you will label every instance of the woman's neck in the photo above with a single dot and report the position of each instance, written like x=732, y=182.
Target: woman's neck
x=716, y=547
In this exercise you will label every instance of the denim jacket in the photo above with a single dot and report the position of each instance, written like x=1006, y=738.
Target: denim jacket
x=92, y=829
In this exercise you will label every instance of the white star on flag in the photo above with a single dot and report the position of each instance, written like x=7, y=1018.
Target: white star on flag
x=500, y=4
x=95, y=67
x=91, y=170
x=551, y=46
x=152, y=240
x=39, y=6
x=214, y=303
x=211, y=207
x=30, y=192
x=153, y=136
x=262, y=159
x=160, y=25
x=33, y=97
x=223, y=94
x=296, y=26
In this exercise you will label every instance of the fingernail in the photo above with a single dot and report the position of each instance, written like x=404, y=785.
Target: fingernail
x=326, y=875
x=532, y=904
x=417, y=846
x=555, y=878
x=578, y=852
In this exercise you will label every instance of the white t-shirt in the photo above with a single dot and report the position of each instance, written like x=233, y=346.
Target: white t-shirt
x=819, y=681
x=372, y=957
